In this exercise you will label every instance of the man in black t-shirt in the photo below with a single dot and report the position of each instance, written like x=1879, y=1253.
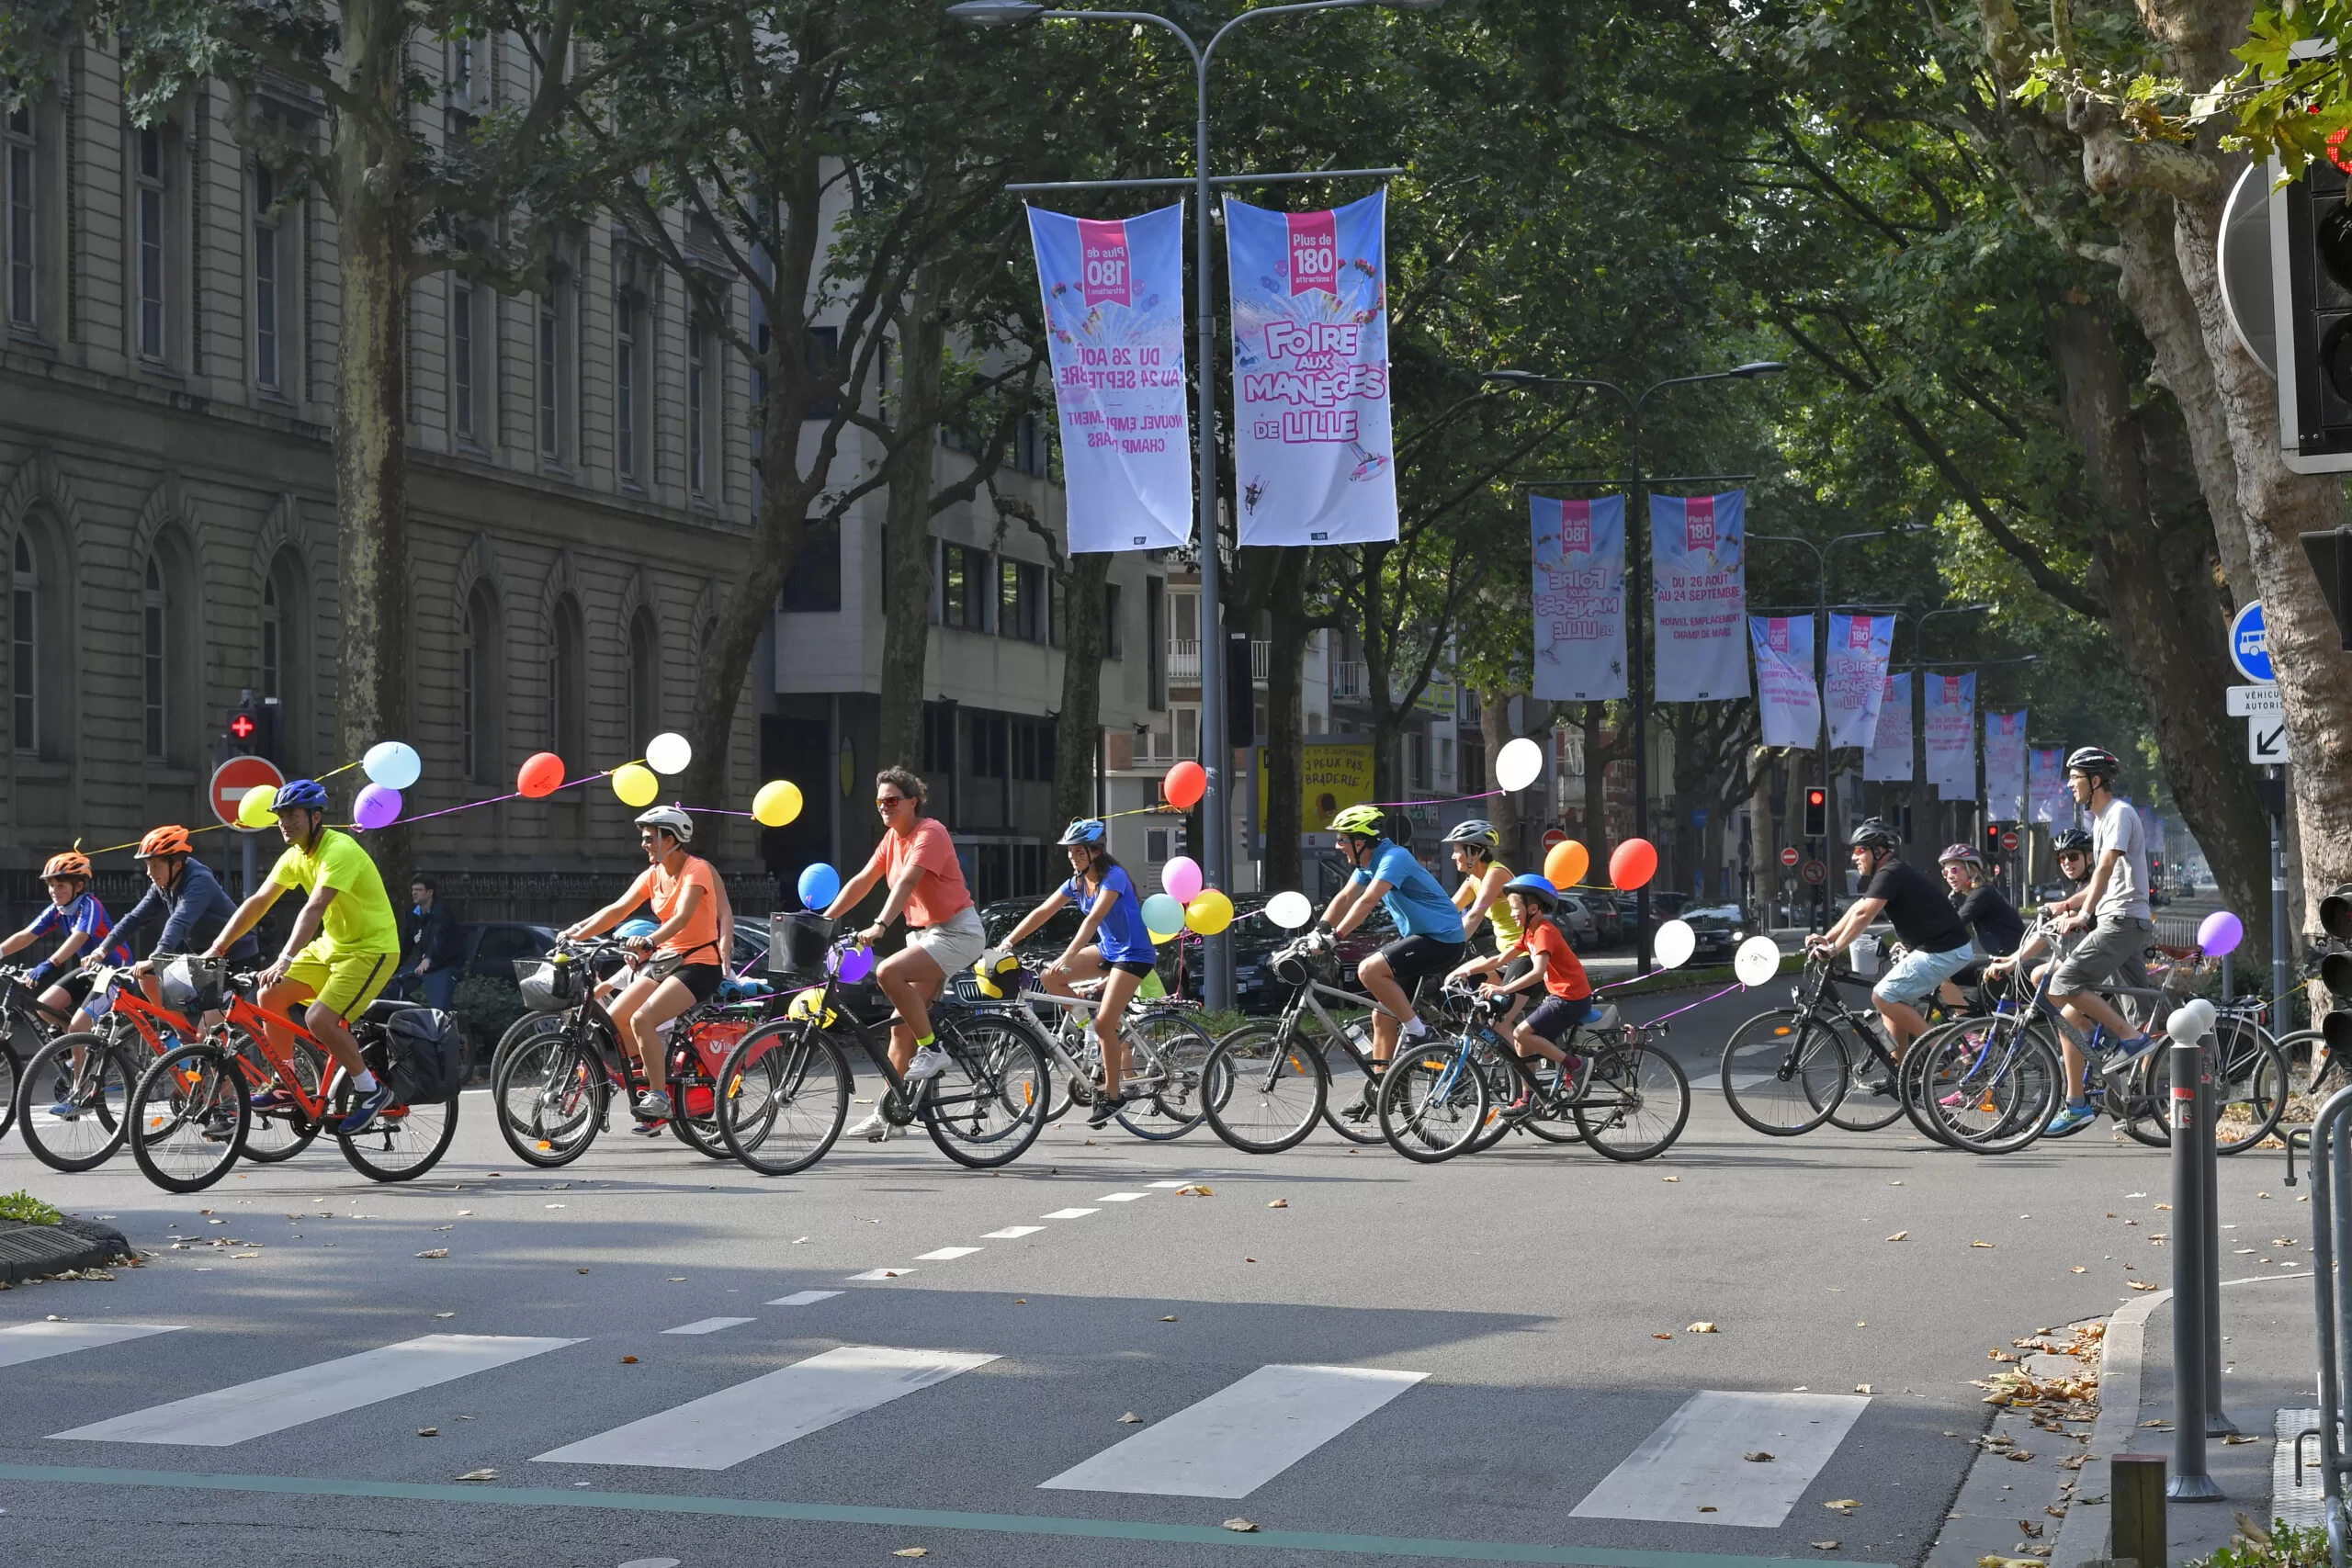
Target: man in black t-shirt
x=1924, y=920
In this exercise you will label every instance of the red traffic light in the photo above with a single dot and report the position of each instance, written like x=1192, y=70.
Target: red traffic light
x=1815, y=797
x=241, y=727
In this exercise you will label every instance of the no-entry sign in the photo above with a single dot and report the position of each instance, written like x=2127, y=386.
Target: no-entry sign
x=2008, y=837
x=233, y=778
x=1789, y=855
x=1555, y=836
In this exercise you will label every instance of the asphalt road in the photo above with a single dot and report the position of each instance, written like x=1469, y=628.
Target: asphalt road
x=1510, y=1330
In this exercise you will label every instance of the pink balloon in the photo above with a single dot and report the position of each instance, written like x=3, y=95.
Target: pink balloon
x=377, y=805
x=1181, y=879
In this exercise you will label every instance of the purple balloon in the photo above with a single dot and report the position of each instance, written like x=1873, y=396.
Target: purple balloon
x=2220, y=933
x=377, y=805
x=856, y=963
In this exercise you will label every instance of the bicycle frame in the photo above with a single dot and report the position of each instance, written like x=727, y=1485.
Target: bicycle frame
x=875, y=1040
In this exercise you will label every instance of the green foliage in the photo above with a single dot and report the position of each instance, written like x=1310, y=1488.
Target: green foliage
x=26, y=1209
x=2281, y=1546
x=487, y=1007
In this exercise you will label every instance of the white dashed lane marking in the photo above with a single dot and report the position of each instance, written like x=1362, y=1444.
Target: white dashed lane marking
x=708, y=1324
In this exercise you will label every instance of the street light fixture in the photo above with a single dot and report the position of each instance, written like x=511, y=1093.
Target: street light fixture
x=1637, y=583
x=995, y=13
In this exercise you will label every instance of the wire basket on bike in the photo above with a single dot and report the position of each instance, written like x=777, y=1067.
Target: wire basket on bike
x=549, y=984
x=797, y=942
x=191, y=981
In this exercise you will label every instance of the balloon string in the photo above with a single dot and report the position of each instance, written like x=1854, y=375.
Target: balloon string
x=493, y=800
x=1702, y=1001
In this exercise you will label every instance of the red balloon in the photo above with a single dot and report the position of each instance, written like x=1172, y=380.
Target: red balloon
x=1185, y=785
x=1633, y=863
x=541, y=775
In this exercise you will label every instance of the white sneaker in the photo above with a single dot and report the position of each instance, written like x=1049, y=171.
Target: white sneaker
x=874, y=1129
x=928, y=1063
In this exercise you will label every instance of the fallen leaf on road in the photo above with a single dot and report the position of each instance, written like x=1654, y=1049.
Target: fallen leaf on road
x=2075, y=1269
x=445, y=1315
x=1827, y=1545
x=2164, y=1205
x=629, y=1360
x=1900, y=1236
x=2262, y=1194
x=1862, y=1388
x=2241, y=1437
x=437, y=1252
x=2141, y=1284
x=234, y=1255
x=2159, y=1422
x=1706, y=1507
x=1248, y=1261
x=1844, y=1505
x=428, y=1431
x=1661, y=1335
x=1130, y=1419
x=1020, y=1301
x=1669, y=1178
x=1862, y=1323
x=2023, y=1456
x=1170, y=1318
x=1702, y=1326
x=480, y=1475
x=677, y=1279
x=584, y=1270
x=1279, y=1203
x=1197, y=1191
x=912, y=1551
x=1982, y=1243
x=2032, y=1530
x=1756, y=1456
x=1239, y=1525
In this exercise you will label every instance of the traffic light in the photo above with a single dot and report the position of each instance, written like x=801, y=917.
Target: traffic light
x=253, y=727
x=1241, y=692
x=1992, y=840
x=1816, y=813
x=2312, y=289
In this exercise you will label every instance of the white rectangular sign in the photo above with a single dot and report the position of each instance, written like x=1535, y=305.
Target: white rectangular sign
x=2265, y=740
x=2246, y=702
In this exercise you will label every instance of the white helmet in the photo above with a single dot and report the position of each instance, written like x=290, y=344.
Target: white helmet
x=670, y=819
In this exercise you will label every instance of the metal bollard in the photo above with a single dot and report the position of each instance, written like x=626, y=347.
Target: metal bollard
x=2190, y=1128
x=2209, y=1161
x=2137, y=1516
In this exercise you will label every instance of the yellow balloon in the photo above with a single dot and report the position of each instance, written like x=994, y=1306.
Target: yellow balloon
x=778, y=803
x=1209, y=913
x=635, y=784
x=1160, y=937
x=253, y=810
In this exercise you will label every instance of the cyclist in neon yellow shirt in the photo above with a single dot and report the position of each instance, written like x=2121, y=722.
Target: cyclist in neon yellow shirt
x=343, y=948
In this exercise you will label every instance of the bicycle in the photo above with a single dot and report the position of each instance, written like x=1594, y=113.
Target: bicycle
x=1167, y=1054
x=191, y=1113
x=1786, y=1071
x=786, y=1088
x=91, y=1072
x=21, y=1014
x=1613, y=1089
x=1265, y=1084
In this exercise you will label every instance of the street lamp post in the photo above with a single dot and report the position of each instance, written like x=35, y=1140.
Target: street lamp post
x=1216, y=805
x=1637, y=587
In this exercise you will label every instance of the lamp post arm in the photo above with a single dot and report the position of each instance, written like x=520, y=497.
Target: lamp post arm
x=1218, y=37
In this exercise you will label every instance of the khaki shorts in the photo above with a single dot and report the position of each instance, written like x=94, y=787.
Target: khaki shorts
x=2113, y=951
x=955, y=942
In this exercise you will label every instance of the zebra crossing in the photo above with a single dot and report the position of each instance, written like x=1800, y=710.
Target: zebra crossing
x=1229, y=1443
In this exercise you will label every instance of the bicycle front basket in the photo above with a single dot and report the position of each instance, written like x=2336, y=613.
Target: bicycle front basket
x=547, y=984
x=797, y=942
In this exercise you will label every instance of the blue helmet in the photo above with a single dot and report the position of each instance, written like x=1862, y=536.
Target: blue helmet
x=636, y=928
x=1536, y=888
x=1085, y=830
x=306, y=794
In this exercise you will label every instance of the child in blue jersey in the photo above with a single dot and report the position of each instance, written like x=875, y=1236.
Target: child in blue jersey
x=80, y=923
x=1111, y=944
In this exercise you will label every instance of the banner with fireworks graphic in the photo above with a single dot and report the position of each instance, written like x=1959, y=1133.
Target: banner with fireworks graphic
x=2047, y=784
x=1859, y=647
x=2005, y=766
x=1888, y=757
x=1114, y=305
x=1580, y=598
x=1310, y=374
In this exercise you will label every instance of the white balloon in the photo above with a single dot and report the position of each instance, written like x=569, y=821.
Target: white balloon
x=1289, y=910
x=1757, y=960
x=1674, y=945
x=1519, y=764
x=669, y=752
x=2192, y=1021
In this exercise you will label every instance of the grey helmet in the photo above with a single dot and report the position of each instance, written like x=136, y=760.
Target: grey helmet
x=1477, y=832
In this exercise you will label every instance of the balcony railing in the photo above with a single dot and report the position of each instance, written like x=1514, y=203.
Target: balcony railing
x=1350, y=679
x=1184, y=663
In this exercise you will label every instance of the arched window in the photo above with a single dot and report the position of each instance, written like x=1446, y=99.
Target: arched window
x=273, y=639
x=482, y=680
x=568, y=684
x=154, y=650
x=644, y=680
x=284, y=676
x=24, y=648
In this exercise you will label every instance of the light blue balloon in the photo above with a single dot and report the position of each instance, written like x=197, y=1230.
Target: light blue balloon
x=1163, y=914
x=819, y=885
x=393, y=763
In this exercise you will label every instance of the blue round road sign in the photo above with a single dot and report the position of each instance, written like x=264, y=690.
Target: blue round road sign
x=2250, y=643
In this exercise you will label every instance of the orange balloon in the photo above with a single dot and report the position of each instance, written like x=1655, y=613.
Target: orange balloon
x=1567, y=863
x=1185, y=785
x=1633, y=863
x=540, y=775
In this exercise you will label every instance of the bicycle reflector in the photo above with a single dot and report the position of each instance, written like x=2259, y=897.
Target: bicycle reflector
x=2336, y=914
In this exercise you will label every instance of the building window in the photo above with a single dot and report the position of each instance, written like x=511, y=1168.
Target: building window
x=1115, y=644
x=152, y=653
x=268, y=269
x=465, y=391
x=469, y=695
x=1188, y=730
x=552, y=401
x=568, y=683
x=963, y=585
x=482, y=680
x=273, y=637
x=626, y=414
x=991, y=751
x=1029, y=448
x=938, y=737
x=813, y=586
x=284, y=644
x=1020, y=604
x=1033, y=750
x=697, y=412
x=24, y=648
x=149, y=239
x=824, y=355
x=644, y=680
x=22, y=177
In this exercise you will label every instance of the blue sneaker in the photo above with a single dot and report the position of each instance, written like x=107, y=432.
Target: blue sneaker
x=365, y=1108
x=2126, y=1051
x=2072, y=1118
x=64, y=1110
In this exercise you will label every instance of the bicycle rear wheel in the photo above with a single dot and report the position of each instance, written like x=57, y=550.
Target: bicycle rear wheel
x=1178, y=1050
x=1433, y=1103
x=783, y=1098
x=551, y=1099
x=88, y=1081
x=987, y=1105
x=187, y=1117
x=404, y=1142
x=1993, y=1085
x=1784, y=1074
x=1261, y=1090
x=2249, y=1091
x=1635, y=1102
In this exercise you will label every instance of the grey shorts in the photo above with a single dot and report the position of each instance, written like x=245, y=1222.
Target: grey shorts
x=955, y=942
x=2114, y=951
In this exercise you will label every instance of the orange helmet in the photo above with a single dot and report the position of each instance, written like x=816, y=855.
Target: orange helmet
x=167, y=841
x=73, y=863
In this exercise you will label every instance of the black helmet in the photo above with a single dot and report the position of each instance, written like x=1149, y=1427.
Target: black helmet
x=2098, y=762
x=2071, y=841
x=1874, y=833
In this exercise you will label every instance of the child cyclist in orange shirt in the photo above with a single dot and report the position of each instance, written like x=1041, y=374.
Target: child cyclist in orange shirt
x=1552, y=963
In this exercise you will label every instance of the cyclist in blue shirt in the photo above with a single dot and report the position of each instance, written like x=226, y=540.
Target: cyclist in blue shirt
x=1432, y=942
x=76, y=913
x=189, y=903
x=1111, y=944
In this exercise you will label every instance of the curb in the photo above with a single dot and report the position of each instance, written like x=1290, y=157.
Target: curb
x=30, y=1252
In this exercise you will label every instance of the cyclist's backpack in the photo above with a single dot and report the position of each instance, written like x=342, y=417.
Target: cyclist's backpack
x=425, y=1055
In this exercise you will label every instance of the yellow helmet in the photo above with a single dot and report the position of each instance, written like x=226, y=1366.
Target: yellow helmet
x=1000, y=979
x=809, y=1006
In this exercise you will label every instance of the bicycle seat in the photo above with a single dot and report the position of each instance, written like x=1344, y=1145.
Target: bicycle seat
x=383, y=1009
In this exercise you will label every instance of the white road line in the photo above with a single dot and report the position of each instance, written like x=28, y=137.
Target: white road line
x=1069, y=1214
x=804, y=1298
x=725, y=1428
x=708, y=1324
x=1697, y=1459
x=947, y=1254
x=883, y=1274
x=273, y=1403
x=1010, y=1231
x=39, y=1341
x=1240, y=1437
x=1165, y=1186
x=1121, y=1197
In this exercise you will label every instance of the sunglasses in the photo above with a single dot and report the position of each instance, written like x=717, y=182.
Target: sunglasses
x=888, y=801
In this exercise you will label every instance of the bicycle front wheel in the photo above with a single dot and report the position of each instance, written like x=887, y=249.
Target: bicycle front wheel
x=783, y=1098
x=1511, y=1089
x=1992, y=1086
x=1261, y=1090
x=1635, y=1102
x=187, y=1116
x=1167, y=1061
x=73, y=1102
x=1873, y=1097
x=987, y=1105
x=1433, y=1103
x=1783, y=1073
x=551, y=1099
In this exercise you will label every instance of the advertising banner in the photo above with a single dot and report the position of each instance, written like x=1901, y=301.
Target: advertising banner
x=1889, y=758
x=1331, y=774
x=2047, y=785
x=1310, y=374
x=1699, y=567
x=1785, y=697
x=1114, y=309
x=1580, y=598
x=1859, y=647
x=2005, y=766
x=1952, y=734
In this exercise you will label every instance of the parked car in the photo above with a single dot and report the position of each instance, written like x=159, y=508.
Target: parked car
x=1609, y=920
x=492, y=946
x=1720, y=931
x=1576, y=922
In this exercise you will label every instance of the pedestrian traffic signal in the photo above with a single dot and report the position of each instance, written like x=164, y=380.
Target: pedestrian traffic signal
x=2311, y=283
x=1817, y=814
x=253, y=727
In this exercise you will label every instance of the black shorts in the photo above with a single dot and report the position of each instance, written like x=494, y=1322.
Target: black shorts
x=701, y=980
x=1554, y=1016
x=74, y=983
x=1129, y=966
x=1515, y=970
x=1411, y=957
